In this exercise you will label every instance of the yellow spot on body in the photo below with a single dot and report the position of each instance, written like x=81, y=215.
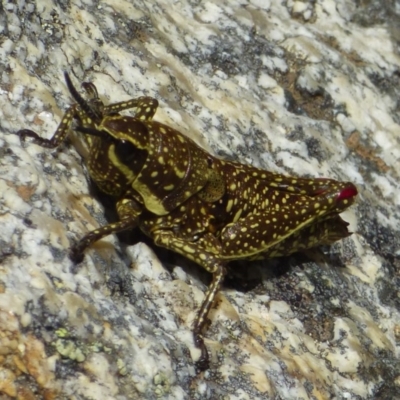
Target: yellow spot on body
x=188, y=249
x=237, y=215
x=169, y=187
x=229, y=205
x=232, y=186
x=180, y=174
x=161, y=160
x=154, y=174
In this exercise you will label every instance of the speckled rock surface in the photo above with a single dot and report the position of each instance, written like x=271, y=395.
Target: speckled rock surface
x=306, y=88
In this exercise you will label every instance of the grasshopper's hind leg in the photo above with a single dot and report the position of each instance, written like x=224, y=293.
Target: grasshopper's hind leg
x=204, y=252
x=201, y=318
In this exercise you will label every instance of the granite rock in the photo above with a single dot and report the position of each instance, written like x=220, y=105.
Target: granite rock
x=302, y=88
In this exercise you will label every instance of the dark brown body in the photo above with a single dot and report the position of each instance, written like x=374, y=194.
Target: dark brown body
x=210, y=210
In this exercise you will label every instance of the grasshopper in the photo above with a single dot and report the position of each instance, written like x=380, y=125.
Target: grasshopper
x=210, y=210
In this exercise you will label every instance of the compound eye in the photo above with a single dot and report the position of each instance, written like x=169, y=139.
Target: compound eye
x=125, y=151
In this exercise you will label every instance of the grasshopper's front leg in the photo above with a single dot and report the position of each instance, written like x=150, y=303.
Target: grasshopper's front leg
x=59, y=135
x=144, y=108
x=85, y=114
x=204, y=252
x=128, y=212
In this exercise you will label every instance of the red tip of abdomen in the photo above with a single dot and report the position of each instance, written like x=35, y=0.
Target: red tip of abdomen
x=347, y=193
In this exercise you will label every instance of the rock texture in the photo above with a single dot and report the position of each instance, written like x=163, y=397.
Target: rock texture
x=301, y=88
